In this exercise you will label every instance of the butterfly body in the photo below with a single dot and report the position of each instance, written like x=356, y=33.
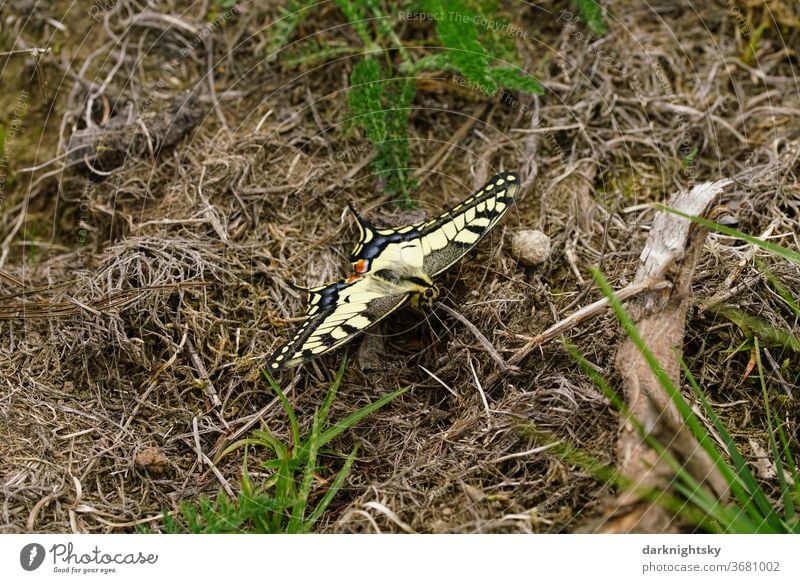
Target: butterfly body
x=391, y=268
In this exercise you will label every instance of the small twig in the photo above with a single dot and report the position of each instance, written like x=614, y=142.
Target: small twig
x=441, y=154
x=440, y=381
x=728, y=291
x=41, y=504
x=391, y=515
x=36, y=52
x=720, y=297
x=151, y=383
x=202, y=457
x=585, y=313
x=530, y=452
x=208, y=386
x=481, y=392
x=211, y=89
x=491, y=350
x=83, y=306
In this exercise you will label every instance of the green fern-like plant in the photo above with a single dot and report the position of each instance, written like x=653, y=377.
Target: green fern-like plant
x=592, y=12
x=382, y=84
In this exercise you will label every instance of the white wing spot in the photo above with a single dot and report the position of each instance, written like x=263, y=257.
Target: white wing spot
x=489, y=186
x=359, y=322
x=466, y=237
x=500, y=182
x=426, y=246
x=511, y=178
x=275, y=365
x=318, y=349
x=339, y=333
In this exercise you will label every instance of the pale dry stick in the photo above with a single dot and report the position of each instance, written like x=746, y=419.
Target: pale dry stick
x=208, y=211
x=535, y=450
x=218, y=111
x=208, y=386
x=34, y=52
x=41, y=504
x=11, y=278
x=653, y=284
x=130, y=523
x=441, y=154
x=729, y=292
x=83, y=306
x=440, y=381
x=391, y=515
x=481, y=392
x=545, y=130
x=151, y=383
x=363, y=513
x=490, y=349
x=202, y=457
x=720, y=297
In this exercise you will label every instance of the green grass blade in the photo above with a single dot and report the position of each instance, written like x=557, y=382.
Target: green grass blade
x=337, y=382
x=287, y=406
x=778, y=250
x=709, y=505
x=332, y=491
x=759, y=328
x=751, y=497
x=743, y=483
x=781, y=290
x=299, y=509
x=354, y=418
x=788, y=503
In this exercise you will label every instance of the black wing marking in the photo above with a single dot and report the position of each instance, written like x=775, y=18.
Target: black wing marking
x=337, y=312
x=445, y=239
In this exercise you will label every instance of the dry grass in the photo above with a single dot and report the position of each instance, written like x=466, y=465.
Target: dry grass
x=181, y=286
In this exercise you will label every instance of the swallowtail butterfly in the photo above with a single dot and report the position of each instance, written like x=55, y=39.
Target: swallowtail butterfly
x=391, y=267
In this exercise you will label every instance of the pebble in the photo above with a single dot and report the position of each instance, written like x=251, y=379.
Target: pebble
x=530, y=247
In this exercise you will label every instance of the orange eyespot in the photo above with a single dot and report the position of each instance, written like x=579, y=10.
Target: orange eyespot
x=360, y=266
x=353, y=278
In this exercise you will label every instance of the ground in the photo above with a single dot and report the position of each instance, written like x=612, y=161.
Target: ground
x=143, y=289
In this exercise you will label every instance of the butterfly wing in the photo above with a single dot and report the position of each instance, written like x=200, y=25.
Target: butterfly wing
x=438, y=243
x=336, y=313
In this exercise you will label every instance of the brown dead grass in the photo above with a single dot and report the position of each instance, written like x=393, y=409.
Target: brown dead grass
x=182, y=285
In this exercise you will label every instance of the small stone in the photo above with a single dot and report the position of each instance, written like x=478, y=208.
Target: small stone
x=530, y=247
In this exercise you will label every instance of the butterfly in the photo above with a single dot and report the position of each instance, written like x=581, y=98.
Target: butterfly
x=393, y=267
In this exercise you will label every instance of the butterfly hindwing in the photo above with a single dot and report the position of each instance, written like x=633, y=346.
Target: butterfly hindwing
x=337, y=312
x=440, y=242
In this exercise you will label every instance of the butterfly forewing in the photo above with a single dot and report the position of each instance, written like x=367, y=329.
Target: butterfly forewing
x=440, y=242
